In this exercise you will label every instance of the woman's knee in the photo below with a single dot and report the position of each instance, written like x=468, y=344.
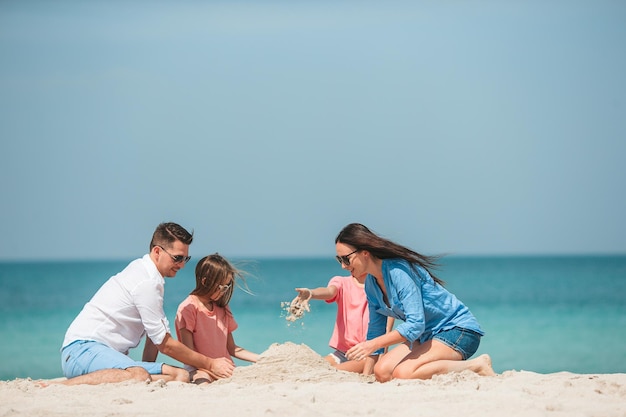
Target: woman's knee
x=403, y=372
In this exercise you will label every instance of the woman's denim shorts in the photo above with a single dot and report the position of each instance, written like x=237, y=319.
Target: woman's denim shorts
x=462, y=340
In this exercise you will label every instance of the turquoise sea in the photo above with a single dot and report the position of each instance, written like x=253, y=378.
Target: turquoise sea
x=541, y=314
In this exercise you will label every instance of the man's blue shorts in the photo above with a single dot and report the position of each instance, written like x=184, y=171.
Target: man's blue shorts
x=85, y=356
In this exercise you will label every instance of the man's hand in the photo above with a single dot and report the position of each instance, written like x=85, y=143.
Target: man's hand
x=221, y=368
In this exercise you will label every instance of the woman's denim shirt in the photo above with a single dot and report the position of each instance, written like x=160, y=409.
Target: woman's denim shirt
x=424, y=306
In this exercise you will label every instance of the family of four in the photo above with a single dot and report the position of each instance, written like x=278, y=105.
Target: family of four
x=438, y=334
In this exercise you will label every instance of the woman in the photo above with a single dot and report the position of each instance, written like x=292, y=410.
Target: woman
x=438, y=333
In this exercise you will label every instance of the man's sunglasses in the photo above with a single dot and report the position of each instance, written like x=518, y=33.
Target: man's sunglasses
x=345, y=260
x=176, y=258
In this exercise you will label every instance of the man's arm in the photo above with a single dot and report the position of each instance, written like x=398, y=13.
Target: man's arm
x=217, y=367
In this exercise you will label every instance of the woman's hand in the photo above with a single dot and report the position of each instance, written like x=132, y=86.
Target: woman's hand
x=361, y=350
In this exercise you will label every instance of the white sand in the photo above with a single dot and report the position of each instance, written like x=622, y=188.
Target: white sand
x=292, y=380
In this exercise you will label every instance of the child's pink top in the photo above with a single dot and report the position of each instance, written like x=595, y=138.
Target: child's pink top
x=210, y=328
x=352, y=314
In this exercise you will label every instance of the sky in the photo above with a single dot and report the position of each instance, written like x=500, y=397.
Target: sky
x=466, y=128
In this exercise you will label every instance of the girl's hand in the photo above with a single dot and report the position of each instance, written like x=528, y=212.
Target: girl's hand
x=300, y=304
x=361, y=350
x=304, y=294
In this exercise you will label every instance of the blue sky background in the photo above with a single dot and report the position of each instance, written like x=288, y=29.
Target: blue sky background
x=479, y=127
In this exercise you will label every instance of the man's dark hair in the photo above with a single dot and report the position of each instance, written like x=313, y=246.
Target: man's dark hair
x=167, y=233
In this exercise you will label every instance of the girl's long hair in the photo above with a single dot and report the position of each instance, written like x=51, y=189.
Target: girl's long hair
x=211, y=271
x=362, y=238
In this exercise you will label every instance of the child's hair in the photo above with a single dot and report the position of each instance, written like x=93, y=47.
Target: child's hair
x=213, y=270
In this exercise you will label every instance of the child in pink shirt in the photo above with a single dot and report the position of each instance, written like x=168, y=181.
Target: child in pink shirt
x=351, y=321
x=204, y=321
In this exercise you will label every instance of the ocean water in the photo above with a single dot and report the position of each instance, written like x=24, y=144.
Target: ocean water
x=541, y=314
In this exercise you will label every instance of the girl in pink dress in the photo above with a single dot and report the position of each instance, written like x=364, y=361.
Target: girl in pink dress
x=204, y=321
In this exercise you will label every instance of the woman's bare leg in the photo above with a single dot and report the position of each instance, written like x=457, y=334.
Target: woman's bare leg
x=383, y=370
x=433, y=358
x=480, y=365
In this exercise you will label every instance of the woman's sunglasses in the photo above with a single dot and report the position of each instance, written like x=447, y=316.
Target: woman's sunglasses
x=345, y=260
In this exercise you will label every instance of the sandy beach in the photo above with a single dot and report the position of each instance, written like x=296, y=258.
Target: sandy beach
x=293, y=380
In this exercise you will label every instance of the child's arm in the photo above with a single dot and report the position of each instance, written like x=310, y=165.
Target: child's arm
x=186, y=338
x=150, y=351
x=319, y=293
x=239, y=352
x=300, y=303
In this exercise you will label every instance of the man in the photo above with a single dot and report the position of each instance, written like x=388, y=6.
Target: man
x=127, y=307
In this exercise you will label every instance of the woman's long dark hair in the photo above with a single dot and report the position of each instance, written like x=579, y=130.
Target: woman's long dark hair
x=362, y=238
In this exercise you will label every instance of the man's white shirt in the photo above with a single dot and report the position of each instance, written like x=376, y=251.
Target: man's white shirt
x=126, y=307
